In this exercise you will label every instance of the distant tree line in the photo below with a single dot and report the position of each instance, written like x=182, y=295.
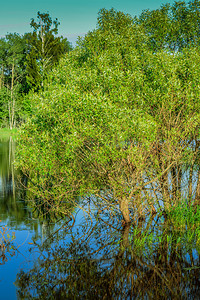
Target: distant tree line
x=25, y=61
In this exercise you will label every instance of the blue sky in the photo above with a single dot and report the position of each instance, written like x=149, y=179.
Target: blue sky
x=77, y=17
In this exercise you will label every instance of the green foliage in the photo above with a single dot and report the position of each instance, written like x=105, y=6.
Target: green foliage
x=12, y=55
x=45, y=49
x=3, y=106
x=178, y=228
x=12, y=78
x=25, y=61
x=185, y=222
x=172, y=27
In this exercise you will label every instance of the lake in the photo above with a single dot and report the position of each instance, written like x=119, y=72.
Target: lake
x=89, y=255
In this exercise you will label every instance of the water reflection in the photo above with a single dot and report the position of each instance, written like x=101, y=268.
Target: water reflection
x=7, y=181
x=18, y=217
x=97, y=261
x=16, y=210
x=95, y=258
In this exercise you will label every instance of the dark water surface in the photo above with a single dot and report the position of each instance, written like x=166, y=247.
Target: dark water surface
x=90, y=256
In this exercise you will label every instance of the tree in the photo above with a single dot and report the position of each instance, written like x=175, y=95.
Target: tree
x=3, y=54
x=45, y=49
x=116, y=121
x=12, y=55
x=172, y=27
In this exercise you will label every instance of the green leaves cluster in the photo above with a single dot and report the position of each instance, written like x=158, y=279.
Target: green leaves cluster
x=12, y=78
x=45, y=49
x=172, y=27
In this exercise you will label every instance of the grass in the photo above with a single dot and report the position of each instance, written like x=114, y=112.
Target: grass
x=5, y=133
x=185, y=222
x=180, y=229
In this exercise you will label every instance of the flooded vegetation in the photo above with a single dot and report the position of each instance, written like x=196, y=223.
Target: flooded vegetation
x=101, y=261
x=89, y=254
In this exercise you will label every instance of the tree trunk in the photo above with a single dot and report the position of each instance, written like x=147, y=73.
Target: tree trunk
x=190, y=183
x=2, y=78
x=179, y=179
x=12, y=100
x=43, y=55
x=174, y=182
x=123, y=205
x=197, y=196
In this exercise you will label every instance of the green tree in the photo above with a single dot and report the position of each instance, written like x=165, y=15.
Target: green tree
x=172, y=27
x=116, y=120
x=46, y=48
x=12, y=55
x=3, y=54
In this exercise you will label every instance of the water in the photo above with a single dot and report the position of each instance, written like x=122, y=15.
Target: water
x=16, y=214
x=93, y=259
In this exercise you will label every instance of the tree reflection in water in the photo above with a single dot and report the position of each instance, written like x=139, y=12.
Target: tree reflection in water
x=96, y=260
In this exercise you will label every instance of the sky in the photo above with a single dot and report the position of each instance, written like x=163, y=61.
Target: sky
x=76, y=17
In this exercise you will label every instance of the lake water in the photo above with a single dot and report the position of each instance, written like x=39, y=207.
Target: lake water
x=52, y=257
x=15, y=214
